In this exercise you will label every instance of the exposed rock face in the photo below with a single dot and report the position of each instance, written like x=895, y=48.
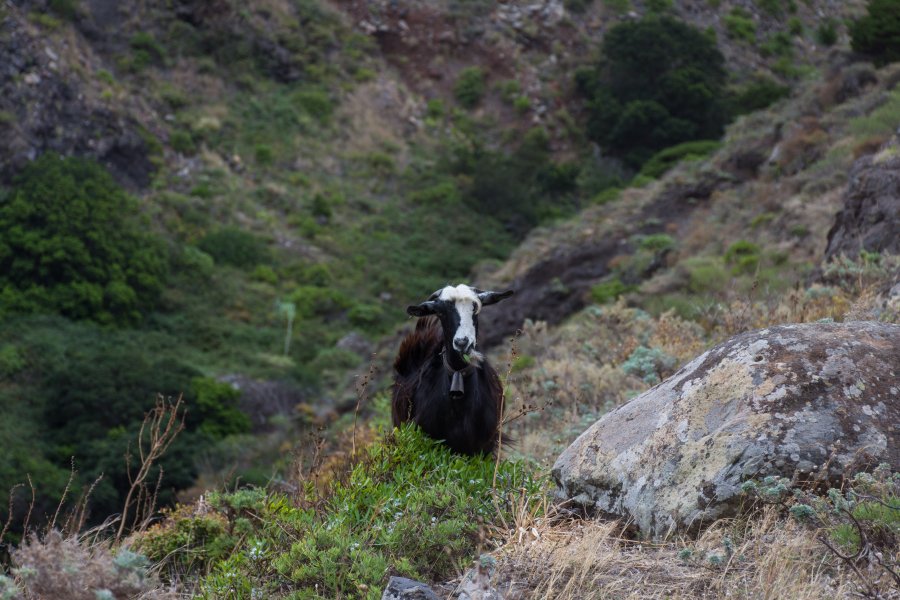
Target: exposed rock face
x=45, y=106
x=559, y=284
x=780, y=401
x=870, y=219
x=401, y=588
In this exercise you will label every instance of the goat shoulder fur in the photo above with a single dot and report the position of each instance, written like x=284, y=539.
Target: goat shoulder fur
x=422, y=394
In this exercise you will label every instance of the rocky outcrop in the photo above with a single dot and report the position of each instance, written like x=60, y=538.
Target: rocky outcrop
x=870, y=219
x=812, y=400
x=558, y=285
x=47, y=106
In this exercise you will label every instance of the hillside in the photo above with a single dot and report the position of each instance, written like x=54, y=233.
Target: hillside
x=296, y=172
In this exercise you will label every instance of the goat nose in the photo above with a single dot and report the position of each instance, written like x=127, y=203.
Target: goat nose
x=461, y=343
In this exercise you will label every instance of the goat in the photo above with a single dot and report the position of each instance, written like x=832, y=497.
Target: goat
x=441, y=382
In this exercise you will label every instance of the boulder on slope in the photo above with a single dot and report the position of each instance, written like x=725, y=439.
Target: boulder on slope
x=808, y=400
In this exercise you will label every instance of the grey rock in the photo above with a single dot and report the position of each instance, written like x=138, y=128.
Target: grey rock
x=357, y=343
x=794, y=400
x=401, y=588
x=870, y=219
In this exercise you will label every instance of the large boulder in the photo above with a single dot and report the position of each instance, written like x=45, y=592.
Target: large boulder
x=808, y=400
x=870, y=219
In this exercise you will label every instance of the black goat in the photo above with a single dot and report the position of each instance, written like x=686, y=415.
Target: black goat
x=440, y=381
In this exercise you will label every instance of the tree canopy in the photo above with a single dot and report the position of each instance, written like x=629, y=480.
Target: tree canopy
x=660, y=82
x=877, y=34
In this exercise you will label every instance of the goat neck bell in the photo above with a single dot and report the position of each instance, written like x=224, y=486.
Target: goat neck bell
x=457, y=378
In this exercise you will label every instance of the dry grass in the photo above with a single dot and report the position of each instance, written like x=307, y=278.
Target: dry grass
x=764, y=557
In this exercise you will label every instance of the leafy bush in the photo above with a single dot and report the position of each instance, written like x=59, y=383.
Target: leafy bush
x=826, y=33
x=635, y=116
x=217, y=406
x=235, y=247
x=756, y=95
x=705, y=274
x=743, y=255
x=146, y=51
x=407, y=506
x=666, y=159
x=877, y=34
x=519, y=189
x=183, y=142
x=316, y=103
x=740, y=25
x=71, y=243
x=609, y=291
x=776, y=8
x=650, y=364
x=469, y=87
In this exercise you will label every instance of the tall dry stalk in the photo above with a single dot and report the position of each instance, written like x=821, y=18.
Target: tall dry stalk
x=158, y=430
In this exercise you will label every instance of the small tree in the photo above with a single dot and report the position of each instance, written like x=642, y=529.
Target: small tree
x=878, y=33
x=71, y=243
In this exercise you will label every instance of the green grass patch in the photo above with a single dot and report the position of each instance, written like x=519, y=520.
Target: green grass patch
x=882, y=120
x=664, y=160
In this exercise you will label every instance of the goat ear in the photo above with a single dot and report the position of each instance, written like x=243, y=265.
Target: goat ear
x=421, y=310
x=488, y=298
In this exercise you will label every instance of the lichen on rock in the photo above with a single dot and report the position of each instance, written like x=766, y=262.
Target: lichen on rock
x=800, y=401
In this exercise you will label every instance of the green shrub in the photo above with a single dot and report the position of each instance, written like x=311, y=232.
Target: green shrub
x=67, y=9
x=744, y=256
x=609, y=291
x=522, y=362
x=183, y=142
x=146, y=51
x=522, y=104
x=740, y=25
x=657, y=242
x=650, y=364
x=509, y=90
x=264, y=155
x=470, y=86
x=776, y=8
x=827, y=33
x=705, y=274
x=435, y=109
x=760, y=93
x=779, y=44
x=407, y=507
x=232, y=246
x=635, y=116
x=216, y=406
x=877, y=34
x=659, y=6
x=71, y=242
x=664, y=160
x=620, y=6
x=316, y=103
x=367, y=316
x=577, y=6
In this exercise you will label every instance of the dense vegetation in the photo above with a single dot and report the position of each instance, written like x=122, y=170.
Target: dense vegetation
x=877, y=34
x=634, y=115
x=406, y=506
x=71, y=243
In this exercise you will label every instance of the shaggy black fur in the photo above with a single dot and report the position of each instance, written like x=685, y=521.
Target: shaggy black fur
x=422, y=394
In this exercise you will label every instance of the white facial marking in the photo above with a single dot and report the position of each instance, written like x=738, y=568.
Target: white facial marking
x=467, y=305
